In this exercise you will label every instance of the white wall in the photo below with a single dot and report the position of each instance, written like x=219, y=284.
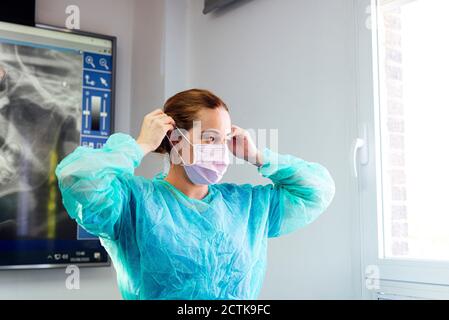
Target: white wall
x=290, y=65
x=159, y=64
x=148, y=77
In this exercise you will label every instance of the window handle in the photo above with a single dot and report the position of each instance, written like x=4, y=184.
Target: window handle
x=360, y=147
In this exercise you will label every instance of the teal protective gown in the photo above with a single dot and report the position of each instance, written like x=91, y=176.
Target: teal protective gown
x=165, y=245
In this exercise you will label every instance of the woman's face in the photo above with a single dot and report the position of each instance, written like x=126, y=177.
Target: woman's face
x=213, y=126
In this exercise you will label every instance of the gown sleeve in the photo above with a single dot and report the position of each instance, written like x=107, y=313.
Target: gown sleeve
x=93, y=183
x=300, y=192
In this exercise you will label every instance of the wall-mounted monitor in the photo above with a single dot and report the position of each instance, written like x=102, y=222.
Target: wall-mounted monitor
x=211, y=5
x=56, y=93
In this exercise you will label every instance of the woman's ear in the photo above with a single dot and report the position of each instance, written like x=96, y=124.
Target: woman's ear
x=174, y=137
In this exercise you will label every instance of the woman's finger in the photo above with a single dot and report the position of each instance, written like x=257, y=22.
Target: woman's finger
x=168, y=127
x=160, y=116
x=165, y=119
x=156, y=112
x=239, y=134
x=169, y=120
x=235, y=131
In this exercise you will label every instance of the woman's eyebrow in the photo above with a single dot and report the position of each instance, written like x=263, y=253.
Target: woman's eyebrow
x=226, y=135
x=211, y=132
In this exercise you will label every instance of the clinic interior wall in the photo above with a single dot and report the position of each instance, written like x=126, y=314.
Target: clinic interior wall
x=289, y=65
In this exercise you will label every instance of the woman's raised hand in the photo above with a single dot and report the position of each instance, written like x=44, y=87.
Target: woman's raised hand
x=154, y=128
x=243, y=147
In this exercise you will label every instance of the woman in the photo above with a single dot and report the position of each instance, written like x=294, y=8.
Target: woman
x=180, y=235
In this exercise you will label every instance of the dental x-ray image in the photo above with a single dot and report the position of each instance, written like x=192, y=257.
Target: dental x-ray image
x=40, y=112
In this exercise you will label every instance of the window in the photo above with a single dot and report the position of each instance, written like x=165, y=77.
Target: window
x=403, y=165
x=413, y=83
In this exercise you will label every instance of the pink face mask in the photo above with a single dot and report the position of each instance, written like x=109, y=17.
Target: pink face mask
x=210, y=162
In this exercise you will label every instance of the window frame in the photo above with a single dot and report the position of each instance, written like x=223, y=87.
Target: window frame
x=404, y=273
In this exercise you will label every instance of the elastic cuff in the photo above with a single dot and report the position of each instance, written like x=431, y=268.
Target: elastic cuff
x=270, y=163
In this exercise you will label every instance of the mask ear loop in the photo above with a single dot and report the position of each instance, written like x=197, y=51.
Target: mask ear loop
x=173, y=146
x=182, y=134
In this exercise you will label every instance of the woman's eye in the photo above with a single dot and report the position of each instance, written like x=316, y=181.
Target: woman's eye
x=209, y=139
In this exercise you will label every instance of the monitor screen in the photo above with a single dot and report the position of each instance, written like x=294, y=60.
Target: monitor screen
x=56, y=93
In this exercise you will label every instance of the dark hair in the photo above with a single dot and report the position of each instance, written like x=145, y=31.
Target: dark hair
x=184, y=107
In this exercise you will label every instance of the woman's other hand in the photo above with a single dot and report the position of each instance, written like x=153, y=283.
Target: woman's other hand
x=154, y=128
x=243, y=147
